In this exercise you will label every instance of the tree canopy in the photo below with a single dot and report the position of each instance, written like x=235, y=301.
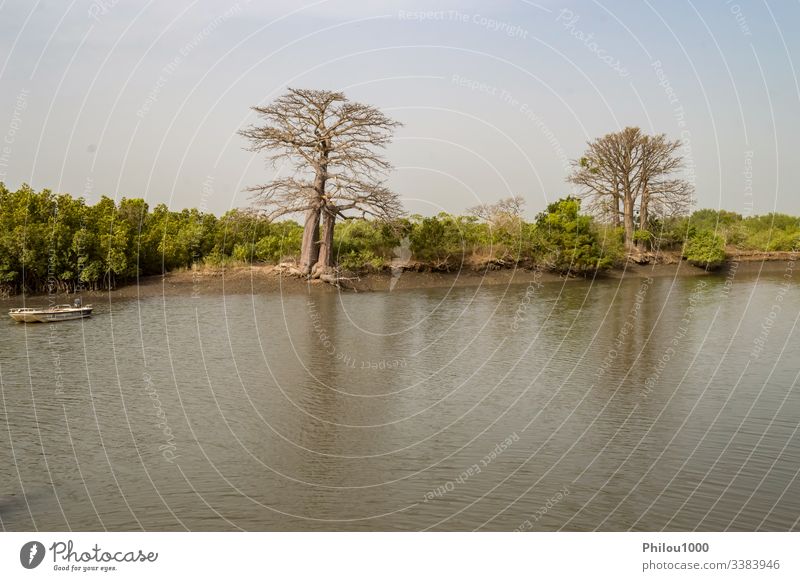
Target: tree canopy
x=331, y=146
x=630, y=174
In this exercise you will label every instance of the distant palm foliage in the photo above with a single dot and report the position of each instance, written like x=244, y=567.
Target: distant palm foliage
x=54, y=242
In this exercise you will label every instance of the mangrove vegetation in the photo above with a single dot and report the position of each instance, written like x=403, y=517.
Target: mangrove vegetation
x=56, y=242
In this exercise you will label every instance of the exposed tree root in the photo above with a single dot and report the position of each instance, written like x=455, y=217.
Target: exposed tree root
x=328, y=275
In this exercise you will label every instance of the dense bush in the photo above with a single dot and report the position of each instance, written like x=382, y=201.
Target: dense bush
x=770, y=232
x=61, y=243
x=360, y=243
x=706, y=250
x=278, y=241
x=444, y=239
x=643, y=238
x=567, y=241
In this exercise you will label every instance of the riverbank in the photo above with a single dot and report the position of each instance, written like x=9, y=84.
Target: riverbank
x=269, y=279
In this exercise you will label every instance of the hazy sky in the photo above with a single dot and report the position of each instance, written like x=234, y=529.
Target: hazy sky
x=144, y=99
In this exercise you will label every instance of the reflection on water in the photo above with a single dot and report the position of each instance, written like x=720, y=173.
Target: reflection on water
x=642, y=404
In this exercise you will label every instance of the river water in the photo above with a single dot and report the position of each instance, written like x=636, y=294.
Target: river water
x=668, y=403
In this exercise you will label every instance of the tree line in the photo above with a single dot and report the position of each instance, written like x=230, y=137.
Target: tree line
x=57, y=243
x=631, y=202
x=54, y=242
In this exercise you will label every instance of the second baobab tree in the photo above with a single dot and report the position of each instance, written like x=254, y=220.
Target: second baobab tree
x=629, y=177
x=326, y=150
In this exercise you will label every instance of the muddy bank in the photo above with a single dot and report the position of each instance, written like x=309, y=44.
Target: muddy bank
x=264, y=279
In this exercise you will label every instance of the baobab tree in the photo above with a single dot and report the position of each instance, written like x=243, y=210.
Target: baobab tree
x=330, y=147
x=501, y=212
x=628, y=173
x=504, y=218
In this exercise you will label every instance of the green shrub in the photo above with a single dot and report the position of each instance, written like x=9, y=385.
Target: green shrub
x=356, y=237
x=784, y=241
x=668, y=233
x=283, y=240
x=706, y=250
x=771, y=232
x=439, y=239
x=567, y=241
x=215, y=258
x=643, y=238
x=242, y=253
x=360, y=260
x=612, y=242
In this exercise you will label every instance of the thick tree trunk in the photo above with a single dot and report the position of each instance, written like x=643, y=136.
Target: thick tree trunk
x=309, y=250
x=309, y=255
x=325, y=260
x=643, y=208
x=629, y=228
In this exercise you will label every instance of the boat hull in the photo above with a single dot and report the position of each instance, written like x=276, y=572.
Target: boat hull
x=49, y=315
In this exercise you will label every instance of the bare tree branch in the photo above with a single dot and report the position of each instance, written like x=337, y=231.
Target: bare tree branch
x=628, y=171
x=331, y=144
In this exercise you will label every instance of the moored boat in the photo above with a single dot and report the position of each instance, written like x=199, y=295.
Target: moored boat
x=51, y=314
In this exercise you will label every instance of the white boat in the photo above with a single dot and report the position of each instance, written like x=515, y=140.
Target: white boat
x=51, y=314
